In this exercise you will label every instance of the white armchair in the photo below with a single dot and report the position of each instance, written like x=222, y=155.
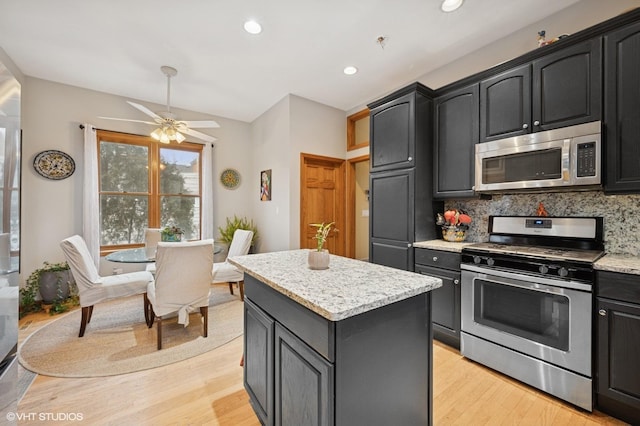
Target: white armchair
x=182, y=283
x=226, y=272
x=92, y=288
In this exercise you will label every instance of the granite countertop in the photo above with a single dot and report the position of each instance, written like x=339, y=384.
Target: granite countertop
x=442, y=245
x=348, y=288
x=623, y=263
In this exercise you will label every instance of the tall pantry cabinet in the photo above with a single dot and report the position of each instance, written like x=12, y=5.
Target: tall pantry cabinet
x=402, y=210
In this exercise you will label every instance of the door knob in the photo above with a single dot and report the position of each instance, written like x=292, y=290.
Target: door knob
x=603, y=312
x=435, y=258
x=456, y=281
x=410, y=158
x=536, y=123
x=525, y=126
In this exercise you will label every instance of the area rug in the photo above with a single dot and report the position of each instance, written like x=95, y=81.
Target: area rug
x=117, y=340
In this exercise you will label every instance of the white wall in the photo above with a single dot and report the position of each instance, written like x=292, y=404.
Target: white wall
x=52, y=210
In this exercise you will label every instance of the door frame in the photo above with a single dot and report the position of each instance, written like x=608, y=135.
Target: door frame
x=340, y=163
x=350, y=220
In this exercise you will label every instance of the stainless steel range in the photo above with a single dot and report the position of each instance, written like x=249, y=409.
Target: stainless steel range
x=527, y=302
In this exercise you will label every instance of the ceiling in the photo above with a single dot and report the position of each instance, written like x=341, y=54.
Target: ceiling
x=118, y=46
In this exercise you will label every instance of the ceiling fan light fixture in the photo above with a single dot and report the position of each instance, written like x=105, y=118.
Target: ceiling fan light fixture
x=451, y=5
x=179, y=137
x=156, y=133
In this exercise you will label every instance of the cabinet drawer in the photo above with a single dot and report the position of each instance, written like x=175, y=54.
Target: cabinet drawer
x=438, y=258
x=617, y=286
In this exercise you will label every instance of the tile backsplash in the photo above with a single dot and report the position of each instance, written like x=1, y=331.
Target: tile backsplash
x=620, y=213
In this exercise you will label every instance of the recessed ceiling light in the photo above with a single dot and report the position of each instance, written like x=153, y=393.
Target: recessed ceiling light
x=450, y=5
x=350, y=70
x=252, y=27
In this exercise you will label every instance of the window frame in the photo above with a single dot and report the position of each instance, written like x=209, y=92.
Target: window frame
x=154, y=195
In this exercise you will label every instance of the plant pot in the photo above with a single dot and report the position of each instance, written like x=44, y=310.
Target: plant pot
x=318, y=259
x=453, y=234
x=172, y=238
x=54, y=286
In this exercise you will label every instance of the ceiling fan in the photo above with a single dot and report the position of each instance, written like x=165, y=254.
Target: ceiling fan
x=170, y=127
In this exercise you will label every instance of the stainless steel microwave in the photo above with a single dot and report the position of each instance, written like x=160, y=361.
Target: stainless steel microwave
x=569, y=157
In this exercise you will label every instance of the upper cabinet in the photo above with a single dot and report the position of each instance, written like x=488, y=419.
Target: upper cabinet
x=456, y=133
x=393, y=127
x=622, y=109
x=560, y=89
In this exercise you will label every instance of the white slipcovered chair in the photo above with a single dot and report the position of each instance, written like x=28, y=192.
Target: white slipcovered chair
x=152, y=237
x=92, y=288
x=226, y=272
x=182, y=283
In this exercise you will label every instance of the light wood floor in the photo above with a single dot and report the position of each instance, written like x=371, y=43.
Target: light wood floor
x=207, y=390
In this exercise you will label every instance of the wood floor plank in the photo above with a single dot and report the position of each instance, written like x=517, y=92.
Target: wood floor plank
x=208, y=390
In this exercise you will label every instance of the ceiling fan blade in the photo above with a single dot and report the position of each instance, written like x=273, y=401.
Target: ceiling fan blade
x=199, y=135
x=145, y=110
x=209, y=124
x=126, y=119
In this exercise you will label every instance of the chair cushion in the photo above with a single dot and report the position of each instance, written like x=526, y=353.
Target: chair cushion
x=226, y=272
x=113, y=286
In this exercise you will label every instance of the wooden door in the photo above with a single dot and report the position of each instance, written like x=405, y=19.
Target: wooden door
x=322, y=199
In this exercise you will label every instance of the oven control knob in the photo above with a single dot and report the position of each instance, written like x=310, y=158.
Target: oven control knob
x=490, y=262
x=477, y=259
x=543, y=269
x=563, y=272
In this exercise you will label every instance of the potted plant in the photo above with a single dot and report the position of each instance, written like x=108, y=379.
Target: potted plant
x=55, y=284
x=226, y=232
x=455, y=224
x=319, y=258
x=171, y=233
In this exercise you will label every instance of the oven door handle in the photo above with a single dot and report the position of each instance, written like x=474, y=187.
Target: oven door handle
x=540, y=283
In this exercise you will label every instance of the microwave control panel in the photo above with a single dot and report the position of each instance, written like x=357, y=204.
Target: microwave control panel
x=586, y=159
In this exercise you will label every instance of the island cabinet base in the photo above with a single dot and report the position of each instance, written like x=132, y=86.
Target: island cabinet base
x=302, y=369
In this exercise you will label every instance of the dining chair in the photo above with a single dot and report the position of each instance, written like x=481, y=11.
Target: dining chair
x=152, y=236
x=225, y=272
x=182, y=283
x=92, y=288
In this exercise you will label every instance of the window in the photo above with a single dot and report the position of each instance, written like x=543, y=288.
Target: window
x=145, y=184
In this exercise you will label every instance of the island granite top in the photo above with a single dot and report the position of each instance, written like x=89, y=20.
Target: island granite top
x=348, y=288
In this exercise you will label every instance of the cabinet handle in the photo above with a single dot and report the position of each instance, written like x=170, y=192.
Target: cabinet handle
x=603, y=312
x=536, y=123
x=435, y=258
x=409, y=245
x=525, y=126
x=456, y=281
x=410, y=158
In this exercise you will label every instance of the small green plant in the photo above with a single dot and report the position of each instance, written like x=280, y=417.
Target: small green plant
x=322, y=233
x=171, y=233
x=226, y=232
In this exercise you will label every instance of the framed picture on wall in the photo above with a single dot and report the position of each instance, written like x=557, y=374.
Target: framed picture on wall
x=265, y=185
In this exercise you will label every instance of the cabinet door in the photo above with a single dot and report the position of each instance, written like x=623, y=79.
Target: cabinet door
x=505, y=104
x=258, y=361
x=622, y=109
x=567, y=86
x=303, y=383
x=618, y=366
x=391, y=218
x=456, y=120
x=445, y=305
x=392, y=135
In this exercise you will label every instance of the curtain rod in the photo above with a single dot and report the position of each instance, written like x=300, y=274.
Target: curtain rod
x=134, y=134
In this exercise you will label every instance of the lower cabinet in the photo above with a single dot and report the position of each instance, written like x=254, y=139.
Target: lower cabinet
x=618, y=345
x=370, y=369
x=445, y=308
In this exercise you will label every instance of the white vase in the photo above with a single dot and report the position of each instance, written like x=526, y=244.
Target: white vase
x=318, y=259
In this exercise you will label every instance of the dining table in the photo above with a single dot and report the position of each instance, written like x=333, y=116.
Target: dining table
x=139, y=255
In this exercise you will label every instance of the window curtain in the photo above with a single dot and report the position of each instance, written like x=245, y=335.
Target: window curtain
x=207, y=192
x=91, y=201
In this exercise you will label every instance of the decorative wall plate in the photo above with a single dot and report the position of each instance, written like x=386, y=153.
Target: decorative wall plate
x=54, y=164
x=230, y=178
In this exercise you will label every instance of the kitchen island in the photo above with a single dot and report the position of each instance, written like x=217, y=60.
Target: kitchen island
x=349, y=345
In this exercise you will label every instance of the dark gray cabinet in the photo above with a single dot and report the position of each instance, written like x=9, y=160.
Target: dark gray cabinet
x=301, y=369
x=622, y=109
x=560, y=89
x=617, y=320
x=445, y=301
x=401, y=207
x=456, y=133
